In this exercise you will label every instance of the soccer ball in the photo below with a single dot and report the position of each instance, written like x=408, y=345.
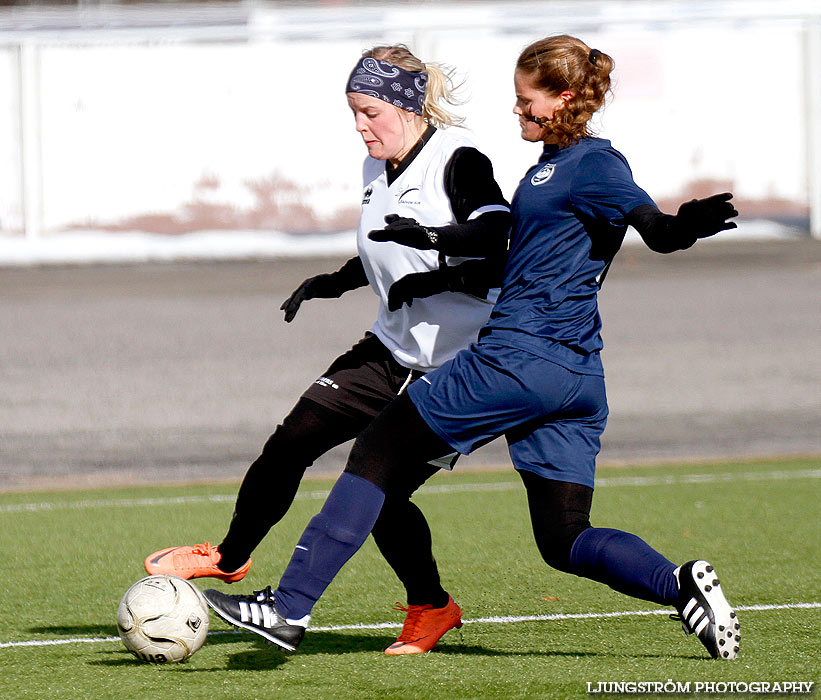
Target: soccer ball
x=162, y=619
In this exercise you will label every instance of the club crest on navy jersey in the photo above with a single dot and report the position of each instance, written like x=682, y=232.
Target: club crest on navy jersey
x=544, y=174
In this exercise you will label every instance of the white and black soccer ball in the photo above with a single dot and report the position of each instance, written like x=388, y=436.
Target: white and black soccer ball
x=162, y=619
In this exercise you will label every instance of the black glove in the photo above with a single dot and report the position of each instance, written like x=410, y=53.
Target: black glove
x=409, y=232
x=311, y=288
x=698, y=218
x=326, y=286
x=416, y=286
x=474, y=277
x=701, y=218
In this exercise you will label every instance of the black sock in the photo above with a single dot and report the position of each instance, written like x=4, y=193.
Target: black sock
x=272, y=481
x=403, y=537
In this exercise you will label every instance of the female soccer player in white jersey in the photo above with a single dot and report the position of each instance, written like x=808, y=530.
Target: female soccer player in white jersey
x=435, y=190
x=534, y=376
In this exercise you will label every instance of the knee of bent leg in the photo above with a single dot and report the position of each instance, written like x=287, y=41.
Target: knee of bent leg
x=367, y=461
x=393, y=450
x=309, y=431
x=295, y=436
x=555, y=541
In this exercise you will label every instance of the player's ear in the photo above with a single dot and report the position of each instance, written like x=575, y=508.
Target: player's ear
x=565, y=97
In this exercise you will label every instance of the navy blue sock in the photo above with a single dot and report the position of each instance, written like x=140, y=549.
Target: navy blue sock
x=331, y=538
x=626, y=563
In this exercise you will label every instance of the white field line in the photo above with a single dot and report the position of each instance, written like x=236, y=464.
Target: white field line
x=666, y=480
x=504, y=620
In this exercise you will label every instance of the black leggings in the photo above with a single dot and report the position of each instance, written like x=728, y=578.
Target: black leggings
x=390, y=459
x=401, y=533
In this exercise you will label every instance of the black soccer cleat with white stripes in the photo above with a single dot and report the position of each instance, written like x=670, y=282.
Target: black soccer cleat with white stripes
x=705, y=611
x=257, y=613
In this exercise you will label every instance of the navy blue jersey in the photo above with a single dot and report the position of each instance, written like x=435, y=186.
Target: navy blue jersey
x=568, y=223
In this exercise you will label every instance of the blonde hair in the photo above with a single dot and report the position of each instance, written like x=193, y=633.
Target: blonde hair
x=562, y=63
x=440, y=87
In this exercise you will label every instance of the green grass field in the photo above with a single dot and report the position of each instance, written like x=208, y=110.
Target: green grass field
x=69, y=556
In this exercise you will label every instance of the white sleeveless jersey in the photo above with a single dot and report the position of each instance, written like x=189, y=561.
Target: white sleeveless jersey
x=435, y=328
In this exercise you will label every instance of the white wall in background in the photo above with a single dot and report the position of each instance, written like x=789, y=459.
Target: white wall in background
x=129, y=127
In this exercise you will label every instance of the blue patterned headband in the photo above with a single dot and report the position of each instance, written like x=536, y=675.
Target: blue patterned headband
x=388, y=82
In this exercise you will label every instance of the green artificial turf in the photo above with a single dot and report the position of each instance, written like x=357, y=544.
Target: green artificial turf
x=69, y=556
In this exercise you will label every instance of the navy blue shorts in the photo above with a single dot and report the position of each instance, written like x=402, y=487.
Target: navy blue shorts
x=551, y=417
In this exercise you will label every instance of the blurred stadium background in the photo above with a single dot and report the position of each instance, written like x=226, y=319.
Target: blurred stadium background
x=205, y=152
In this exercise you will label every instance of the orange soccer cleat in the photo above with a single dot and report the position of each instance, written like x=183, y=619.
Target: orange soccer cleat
x=424, y=627
x=193, y=562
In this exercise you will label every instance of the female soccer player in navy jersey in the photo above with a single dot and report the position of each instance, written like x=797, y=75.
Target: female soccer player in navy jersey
x=434, y=189
x=534, y=376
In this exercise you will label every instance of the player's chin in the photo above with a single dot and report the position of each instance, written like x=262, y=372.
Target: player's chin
x=530, y=132
x=375, y=150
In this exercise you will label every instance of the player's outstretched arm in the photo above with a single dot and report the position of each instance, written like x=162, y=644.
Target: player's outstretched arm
x=481, y=214
x=480, y=229
x=326, y=286
x=483, y=236
x=474, y=277
x=698, y=218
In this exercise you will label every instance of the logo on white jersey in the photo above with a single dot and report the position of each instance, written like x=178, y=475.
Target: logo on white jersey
x=366, y=197
x=544, y=174
x=410, y=195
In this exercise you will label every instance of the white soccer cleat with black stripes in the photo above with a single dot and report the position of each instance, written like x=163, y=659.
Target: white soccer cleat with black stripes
x=705, y=611
x=257, y=613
